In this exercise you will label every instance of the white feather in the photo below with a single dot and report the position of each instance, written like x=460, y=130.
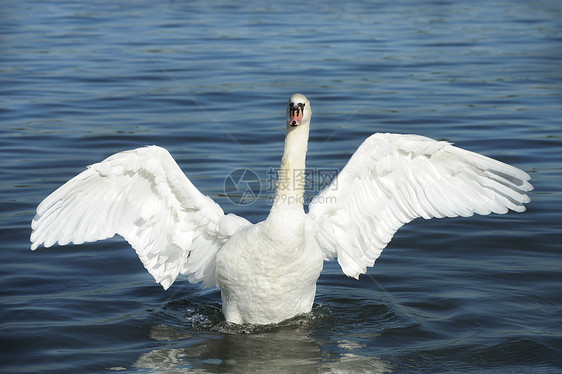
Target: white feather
x=392, y=179
x=143, y=196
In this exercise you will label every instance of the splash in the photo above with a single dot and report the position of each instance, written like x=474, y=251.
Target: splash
x=209, y=317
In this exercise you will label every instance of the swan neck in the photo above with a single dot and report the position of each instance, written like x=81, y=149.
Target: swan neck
x=291, y=175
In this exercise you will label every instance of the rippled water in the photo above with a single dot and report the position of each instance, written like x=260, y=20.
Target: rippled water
x=209, y=81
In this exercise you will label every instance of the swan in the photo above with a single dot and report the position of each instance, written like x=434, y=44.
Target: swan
x=267, y=272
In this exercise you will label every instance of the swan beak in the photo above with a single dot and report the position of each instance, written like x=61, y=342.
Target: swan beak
x=295, y=117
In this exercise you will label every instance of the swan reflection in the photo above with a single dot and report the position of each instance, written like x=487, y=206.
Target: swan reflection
x=285, y=351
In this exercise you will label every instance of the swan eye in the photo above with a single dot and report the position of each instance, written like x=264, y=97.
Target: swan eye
x=299, y=107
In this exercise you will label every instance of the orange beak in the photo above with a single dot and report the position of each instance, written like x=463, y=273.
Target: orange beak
x=295, y=118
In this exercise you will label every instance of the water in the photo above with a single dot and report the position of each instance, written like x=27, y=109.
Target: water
x=82, y=80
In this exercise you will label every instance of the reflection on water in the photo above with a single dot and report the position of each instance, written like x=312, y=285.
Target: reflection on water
x=287, y=350
x=207, y=343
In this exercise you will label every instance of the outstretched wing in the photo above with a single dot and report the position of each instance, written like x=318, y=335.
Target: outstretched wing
x=391, y=180
x=143, y=196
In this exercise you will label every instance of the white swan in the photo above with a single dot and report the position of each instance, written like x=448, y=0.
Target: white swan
x=267, y=272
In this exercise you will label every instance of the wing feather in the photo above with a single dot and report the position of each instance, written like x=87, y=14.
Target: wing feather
x=392, y=179
x=143, y=196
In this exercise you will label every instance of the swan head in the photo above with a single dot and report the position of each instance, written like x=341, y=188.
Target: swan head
x=298, y=110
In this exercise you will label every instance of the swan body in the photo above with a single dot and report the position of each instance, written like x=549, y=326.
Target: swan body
x=267, y=272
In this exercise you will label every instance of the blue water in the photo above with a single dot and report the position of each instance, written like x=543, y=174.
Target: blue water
x=209, y=81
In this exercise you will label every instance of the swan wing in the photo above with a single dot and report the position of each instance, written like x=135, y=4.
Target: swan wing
x=391, y=180
x=143, y=196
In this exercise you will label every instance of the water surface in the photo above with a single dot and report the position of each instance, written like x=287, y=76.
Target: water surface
x=80, y=81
